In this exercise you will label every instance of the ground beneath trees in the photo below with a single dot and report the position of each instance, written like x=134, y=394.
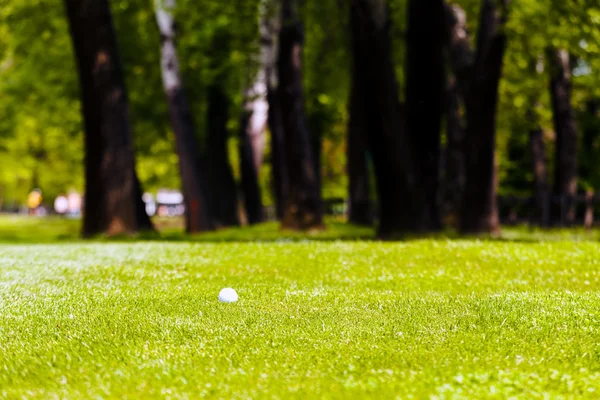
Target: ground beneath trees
x=343, y=319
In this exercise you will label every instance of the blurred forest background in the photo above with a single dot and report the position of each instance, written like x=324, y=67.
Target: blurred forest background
x=552, y=54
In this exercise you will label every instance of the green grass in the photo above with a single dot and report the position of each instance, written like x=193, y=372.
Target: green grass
x=430, y=318
x=20, y=229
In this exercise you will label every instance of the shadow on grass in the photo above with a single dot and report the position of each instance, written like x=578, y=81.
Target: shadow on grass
x=31, y=230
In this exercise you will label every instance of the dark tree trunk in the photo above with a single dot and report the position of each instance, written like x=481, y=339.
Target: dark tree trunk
x=400, y=194
x=479, y=212
x=249, y=167
x=252, y=144
x=358, y=128
x=112, y=192
x=565, y=170
x=454, y=162
x=192, y=167
x=539, y=164
x=317, y=148
x=145, y=224
x=256, y=115
x=424, y=94
x=316, y=126
x=303, y=207
x=459, y=48
x=222, y=189
x=460, y=56
x=590, y=130
x=270, y=30
x=281, y=184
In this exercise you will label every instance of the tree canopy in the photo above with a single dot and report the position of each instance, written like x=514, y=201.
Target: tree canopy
x=40, y=122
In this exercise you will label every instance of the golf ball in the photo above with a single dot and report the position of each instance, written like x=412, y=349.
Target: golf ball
x=228, y=295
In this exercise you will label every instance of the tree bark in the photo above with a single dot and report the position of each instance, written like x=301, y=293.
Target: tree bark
x=539, y=165
x=112, y=192
x=424, y=95
x=144, y=221
x=359, y=211
x=401, y=197
x=479, y=211
x=303, y=206
x=270, y=30
x=459, y=48
x=192, y=167
x=565, y=170
x=460, y=57
x=222, y=188
x=250, y=152
x=281, y=182
x=590, y=128
x=454, y=162
x=255, y=118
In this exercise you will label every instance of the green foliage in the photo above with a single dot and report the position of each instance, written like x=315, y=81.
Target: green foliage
x=40, y=123
x=532, y=27
x=40, y=140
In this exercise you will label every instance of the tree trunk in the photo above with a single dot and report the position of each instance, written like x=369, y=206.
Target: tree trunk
x=281, y=183
x=112, y=192
x=250, y=152
x=459, y=48
x=303, y=207
x=454, y=162
x=222, y=188
x=358, y=128
x=565, y=170
x=252, y=144
x=145, y=224
x=460, y=56
x=479, y=211
x=270, y=30
x=191, y=166
x=256, y=116
x=539, y=165
x=590, y=128
x=316, y=143
x=400, y=194
x=424, y=94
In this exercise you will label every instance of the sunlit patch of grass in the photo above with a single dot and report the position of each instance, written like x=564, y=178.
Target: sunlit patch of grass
x=424, y=319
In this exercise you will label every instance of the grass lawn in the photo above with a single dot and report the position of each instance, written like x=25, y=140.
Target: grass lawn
x=430, y=318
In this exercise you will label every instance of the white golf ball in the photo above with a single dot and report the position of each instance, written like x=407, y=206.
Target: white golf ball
x=228, y=295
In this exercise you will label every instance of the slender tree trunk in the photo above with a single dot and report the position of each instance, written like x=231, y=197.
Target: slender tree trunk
x=191, y=166
x=454, y=165
x=316, y=143
x=145, y=224
x=281, y=182
x=256, y=116
x=565, y=170
x=459, y=48
x=400, y=194
x=590, y=130
x=112, y=192
x=479, y=211
x=540, y=170
x=358, y=128
x=460, y=56
x=222, y=188
x=424, y=94
x=270, y=30
x=303, y=207
x=250, y=152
